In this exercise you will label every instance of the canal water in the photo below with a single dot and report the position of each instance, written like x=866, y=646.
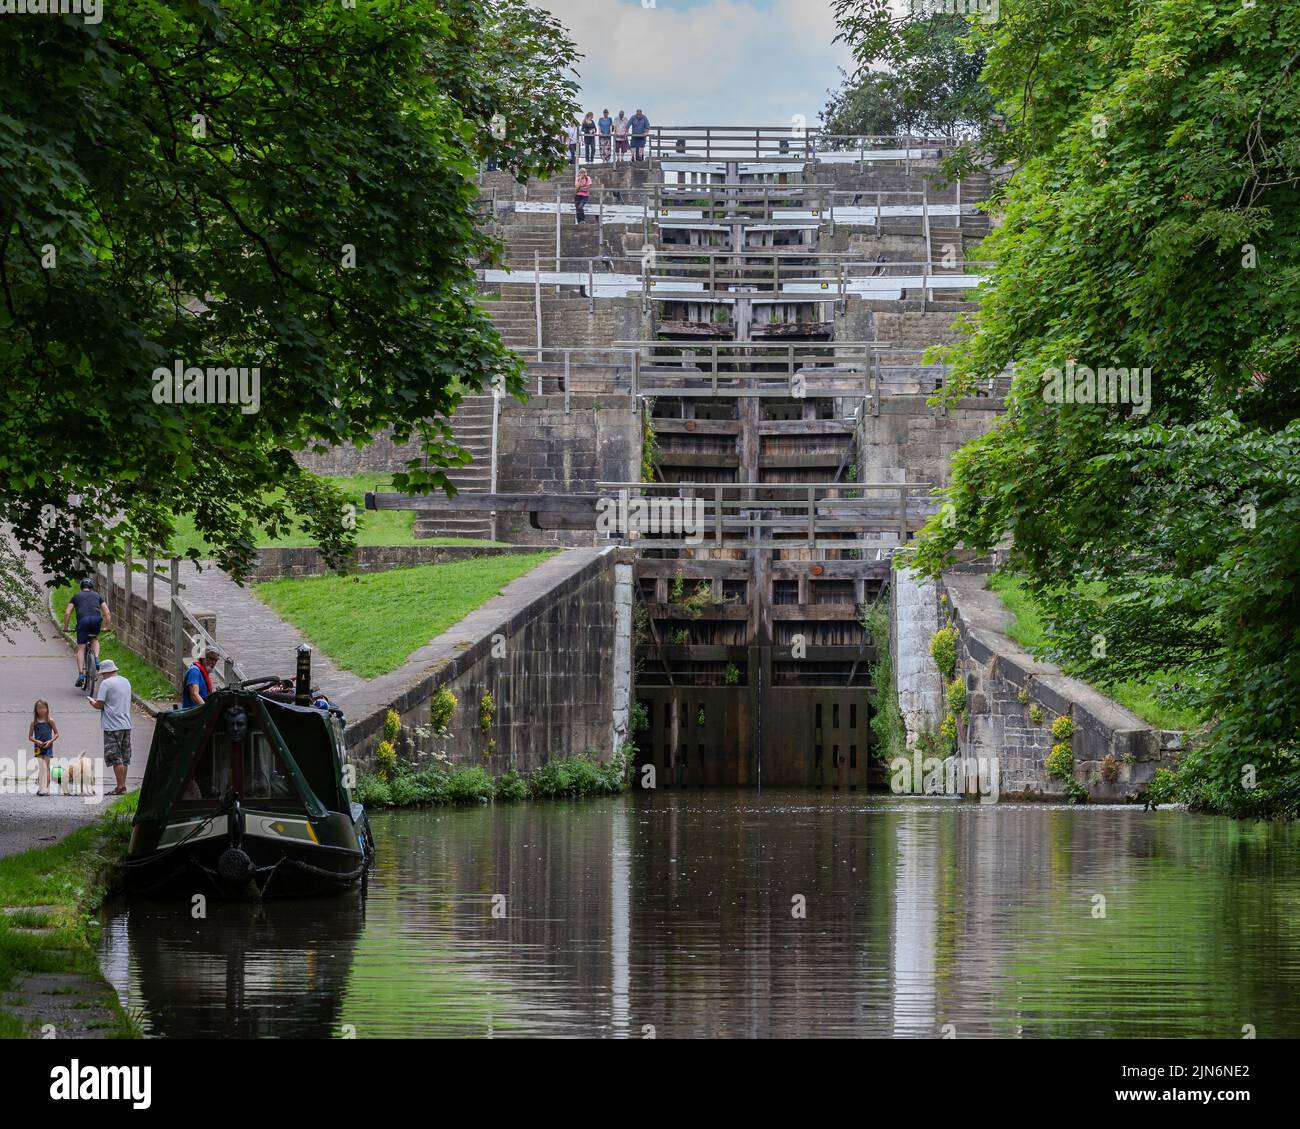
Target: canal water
x=728, y=914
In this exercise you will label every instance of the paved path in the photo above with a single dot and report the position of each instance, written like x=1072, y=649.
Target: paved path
x=39, y=664
x=257, y=638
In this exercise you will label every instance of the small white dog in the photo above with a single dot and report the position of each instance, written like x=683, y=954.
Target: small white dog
x=78, y=777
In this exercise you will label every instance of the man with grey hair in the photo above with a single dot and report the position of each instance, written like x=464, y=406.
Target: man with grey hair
x=114, y=705
x=198, y=679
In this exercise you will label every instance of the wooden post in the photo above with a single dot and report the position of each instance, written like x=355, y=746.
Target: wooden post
x=591, y=283
x=566, y=381
x=148, y=595
x=902, y=515
x=178, y=628
x=959, y=203
x=537, y=302
x=812, y=517
x=126, y=582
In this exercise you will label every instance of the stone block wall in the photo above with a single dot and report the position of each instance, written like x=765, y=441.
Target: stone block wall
x=275, y=563
x=381, y=455
x=551, y=666
x=998, y=674
x=542, y=449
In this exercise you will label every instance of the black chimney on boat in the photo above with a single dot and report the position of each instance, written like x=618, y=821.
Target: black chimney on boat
x=302, y=687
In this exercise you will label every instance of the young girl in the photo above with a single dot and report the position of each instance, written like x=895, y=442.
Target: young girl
x=42, y=733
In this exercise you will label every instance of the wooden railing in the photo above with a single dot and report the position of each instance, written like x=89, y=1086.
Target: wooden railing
x=766, y=515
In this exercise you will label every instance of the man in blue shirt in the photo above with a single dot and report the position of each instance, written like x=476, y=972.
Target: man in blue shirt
x=604, y=124
x=198, y=680
x=640, y=126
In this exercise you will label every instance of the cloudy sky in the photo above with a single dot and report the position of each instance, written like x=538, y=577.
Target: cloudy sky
x=705, y=62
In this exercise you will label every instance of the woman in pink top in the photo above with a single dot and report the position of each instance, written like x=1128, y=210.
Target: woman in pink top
x=581, y=190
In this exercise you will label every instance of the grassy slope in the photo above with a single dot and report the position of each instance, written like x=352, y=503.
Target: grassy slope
x=63, y=875
x=1140, y=697
x=369, y=624
x=145, y=678
x=376, y=527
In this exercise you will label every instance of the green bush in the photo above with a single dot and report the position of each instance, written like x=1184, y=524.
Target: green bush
x=886, y=718
x=1036, y=714
x=578, y=776
x=404, y=790
x=1062, y=728
x=1164, y=787
x=470, y=786
x=1060, y=762
x=638, y=718
x=442, y=706
x=486, y=709
x=512, y=787
x=943, y=649
x=372, y=791
x=957, y=695
x=392, y=725
x=385, y=758
x=731, y=675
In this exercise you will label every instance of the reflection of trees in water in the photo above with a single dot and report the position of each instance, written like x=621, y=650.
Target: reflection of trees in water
x=248, y=970
x=675, y=910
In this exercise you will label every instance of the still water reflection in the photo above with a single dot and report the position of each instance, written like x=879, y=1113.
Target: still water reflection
x=677, y=912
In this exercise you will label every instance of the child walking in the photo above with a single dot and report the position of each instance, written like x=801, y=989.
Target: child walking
x=42, y=733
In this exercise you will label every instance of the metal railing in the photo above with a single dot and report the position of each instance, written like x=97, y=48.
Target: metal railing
x=764, y=515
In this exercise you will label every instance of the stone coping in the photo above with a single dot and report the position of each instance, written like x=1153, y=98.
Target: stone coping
x=1101, y=724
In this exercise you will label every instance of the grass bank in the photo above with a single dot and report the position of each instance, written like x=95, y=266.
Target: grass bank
x=66, y=881
x=1139, y=697
x=374, y=527
x=368, y=624
x=560, y=778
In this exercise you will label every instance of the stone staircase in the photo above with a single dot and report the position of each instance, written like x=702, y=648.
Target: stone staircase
x=472, y=425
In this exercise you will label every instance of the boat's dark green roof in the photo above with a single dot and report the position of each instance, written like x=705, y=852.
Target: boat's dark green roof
x=305, y=738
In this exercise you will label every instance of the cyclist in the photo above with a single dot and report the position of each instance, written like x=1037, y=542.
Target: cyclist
x=93, y=615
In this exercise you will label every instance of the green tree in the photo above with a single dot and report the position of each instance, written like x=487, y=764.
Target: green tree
x=917, y=73
x=287, y=187
x=1153, y=223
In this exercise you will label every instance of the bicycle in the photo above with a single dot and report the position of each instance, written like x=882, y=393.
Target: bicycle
x=92, y=664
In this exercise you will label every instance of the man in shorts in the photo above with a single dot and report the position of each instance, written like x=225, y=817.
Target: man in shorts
x=114, y=705
x=93, y=616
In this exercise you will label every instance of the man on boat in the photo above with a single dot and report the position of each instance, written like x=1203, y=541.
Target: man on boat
x=198, y=679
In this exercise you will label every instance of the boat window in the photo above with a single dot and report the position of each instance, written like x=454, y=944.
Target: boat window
x=262, y=775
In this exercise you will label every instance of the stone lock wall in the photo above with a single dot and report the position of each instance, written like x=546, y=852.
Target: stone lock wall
x=997, y=672
x=544, y=449
x=552, y=664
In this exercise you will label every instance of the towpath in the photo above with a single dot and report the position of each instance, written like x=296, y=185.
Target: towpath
x=39, y=663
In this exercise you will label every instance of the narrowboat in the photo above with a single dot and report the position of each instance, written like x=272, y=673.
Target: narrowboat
x=248, y=796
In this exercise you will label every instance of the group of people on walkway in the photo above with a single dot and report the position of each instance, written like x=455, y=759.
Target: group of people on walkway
x=616, y=136
x=623, y=132
x=113, y=700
